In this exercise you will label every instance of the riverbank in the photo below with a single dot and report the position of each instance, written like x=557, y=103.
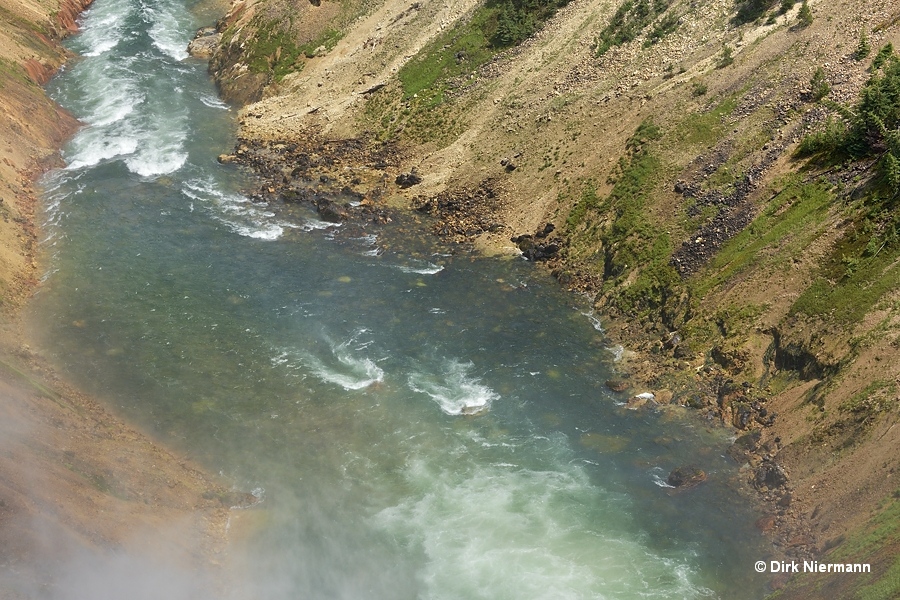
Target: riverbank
x=739, y=277
x=79, y=489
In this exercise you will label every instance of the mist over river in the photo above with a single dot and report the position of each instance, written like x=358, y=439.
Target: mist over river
x=416, y=424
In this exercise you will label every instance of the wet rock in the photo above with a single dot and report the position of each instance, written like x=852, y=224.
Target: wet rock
x=533, y=250
x=769, y=475
x=617, y=385
x=766, y=523
x=663, y=396
x=742, y=415
x=686, y=477
x=640, y=400
x=332, y=211
x=407, y=180
x=545, y=231
x=205, y=43
x=745, y=446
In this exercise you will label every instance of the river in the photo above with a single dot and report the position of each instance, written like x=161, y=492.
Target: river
x=416, y=424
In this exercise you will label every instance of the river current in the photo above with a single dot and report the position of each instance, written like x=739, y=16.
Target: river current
x=417, y=425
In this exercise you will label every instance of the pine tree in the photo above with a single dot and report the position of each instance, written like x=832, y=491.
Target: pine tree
x=819, y=85
x=863, y=49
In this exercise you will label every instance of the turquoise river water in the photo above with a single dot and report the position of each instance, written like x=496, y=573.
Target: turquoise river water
x=334, y=372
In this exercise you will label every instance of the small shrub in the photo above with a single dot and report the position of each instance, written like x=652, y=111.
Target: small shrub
x=699, y=89
x=726, y=58
x=805, y=16
x=863, y=49
x=819, y=85
x=786, y=5
x=752, y=10
x=883, y=55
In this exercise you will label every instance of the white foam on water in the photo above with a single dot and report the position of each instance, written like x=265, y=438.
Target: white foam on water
x=594, y=320
x=453, y=389
x=159, y=154
x=346, y=367
x=346, y=364
x=423, y=268
x=235, y=211
x=659, y=477
x=311, y=224
x=352, y=373
x=168, y=32
x=106, y=22
x=213, y=102
x=92, y=146
x=618, y=352
x=505, y=532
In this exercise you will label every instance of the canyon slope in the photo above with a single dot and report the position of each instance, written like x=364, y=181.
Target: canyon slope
x=720, y=177
x=78, y=487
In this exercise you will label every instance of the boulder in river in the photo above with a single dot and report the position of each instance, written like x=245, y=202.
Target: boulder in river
x=686, y=477
x=204, y=43
x=332, y=211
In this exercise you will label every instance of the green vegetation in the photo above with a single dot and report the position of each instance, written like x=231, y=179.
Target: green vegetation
x=666, y=25
x=805, y=16
x=752, y=10
x=634, y=254
x=877, y=397
x=514, y=21
x=704, y=128
x=819, y=85
x=792, y=217
x=496, y=25
x=274, y=50
x=786, y=5
x=846, y=301
x=878, y=544
x=863, y=48
x=726, y=58
x=630, y=20
x=869, y=130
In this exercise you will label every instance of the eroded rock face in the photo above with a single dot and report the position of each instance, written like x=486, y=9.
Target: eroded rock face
x=205, y=43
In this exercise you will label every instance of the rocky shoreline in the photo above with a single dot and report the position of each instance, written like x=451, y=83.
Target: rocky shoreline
x=357, y=181
x=527, y=157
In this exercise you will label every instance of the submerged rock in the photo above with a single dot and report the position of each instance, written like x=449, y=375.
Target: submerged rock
x=617, y=385
x=686, y=477
x=332, y=211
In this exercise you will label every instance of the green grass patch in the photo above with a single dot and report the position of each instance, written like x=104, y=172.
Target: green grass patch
x=794, y=215
x=847, y=301
x=877, y=397
x=706, y=128
x=634, y=252
x=274, y=50
x=493, y=26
